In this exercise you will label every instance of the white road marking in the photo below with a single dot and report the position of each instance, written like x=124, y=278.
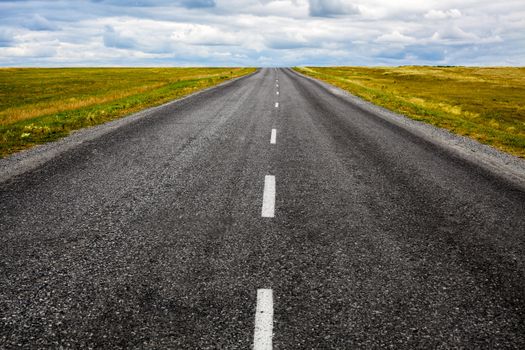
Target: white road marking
x=276, y=85
x=273, y=137
x=262, y=337
x=268, y=206
x=276, y=104
x=277, y=92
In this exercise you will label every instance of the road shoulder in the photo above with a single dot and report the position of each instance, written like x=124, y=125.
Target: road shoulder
x=501, y=164
x=30, y=159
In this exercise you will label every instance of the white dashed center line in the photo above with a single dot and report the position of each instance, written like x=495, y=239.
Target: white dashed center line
x=277, y=92
x=273, y=137
x=262, y=337
x=268, y=205
x=276, y=104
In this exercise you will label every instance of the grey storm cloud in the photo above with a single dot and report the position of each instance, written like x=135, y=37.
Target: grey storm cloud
x=6, y=37
x=155, y=3
x=38, y=22
x=114, y=39
x=328, y=8
x=283, y=43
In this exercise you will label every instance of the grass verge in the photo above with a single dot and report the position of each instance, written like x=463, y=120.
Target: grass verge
x=486, y=104
x=39, y=105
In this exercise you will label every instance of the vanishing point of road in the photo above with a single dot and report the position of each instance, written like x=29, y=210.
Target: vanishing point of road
x=268, y=212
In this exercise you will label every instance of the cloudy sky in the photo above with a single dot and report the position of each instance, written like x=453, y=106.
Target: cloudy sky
x=261, y=32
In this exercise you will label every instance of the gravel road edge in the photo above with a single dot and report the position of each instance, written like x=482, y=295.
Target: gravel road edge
x=499, y=163
x=32, y=158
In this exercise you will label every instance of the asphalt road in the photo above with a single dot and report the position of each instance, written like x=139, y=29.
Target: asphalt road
x=152, y=235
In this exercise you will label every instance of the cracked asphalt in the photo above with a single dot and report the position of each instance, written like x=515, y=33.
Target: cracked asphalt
x=150, y=235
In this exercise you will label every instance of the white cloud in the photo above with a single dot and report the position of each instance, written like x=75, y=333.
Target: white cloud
x=199, y=34
x=456, y=35
x=255, y=32
x=439, y=14
x=396, y=38
x=33, y=50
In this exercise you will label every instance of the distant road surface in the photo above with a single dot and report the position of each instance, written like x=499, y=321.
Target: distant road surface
x=269, y=212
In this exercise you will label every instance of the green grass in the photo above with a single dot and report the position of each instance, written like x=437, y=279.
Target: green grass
x=41, y=105
x=486, y=104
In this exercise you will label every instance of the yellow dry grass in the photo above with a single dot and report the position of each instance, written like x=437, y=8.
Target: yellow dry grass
x=15, y=114
x=486, y=104
x=43, y=104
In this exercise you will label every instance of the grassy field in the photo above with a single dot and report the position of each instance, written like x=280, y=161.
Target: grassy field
x=40, y=105
x=487, y=104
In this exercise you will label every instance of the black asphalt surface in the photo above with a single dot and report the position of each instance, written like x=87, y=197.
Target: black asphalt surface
x=151, y=235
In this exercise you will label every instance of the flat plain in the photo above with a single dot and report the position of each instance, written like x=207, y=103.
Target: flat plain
x=38, y=105
x=485, y=104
